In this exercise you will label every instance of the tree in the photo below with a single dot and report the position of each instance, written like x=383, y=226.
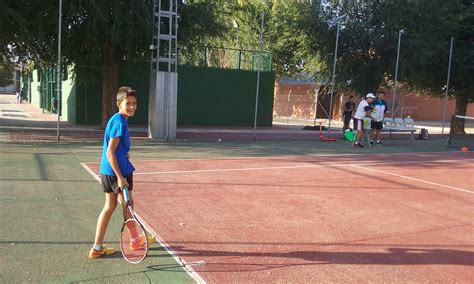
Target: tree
x=368, y=45
x=292, y=50
x=462, y=85
x=97, y=34
x=198, y=25
x=6, y=72
x=104, y=34
x=429, y=25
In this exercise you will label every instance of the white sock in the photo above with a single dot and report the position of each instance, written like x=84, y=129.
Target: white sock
x=98, y=247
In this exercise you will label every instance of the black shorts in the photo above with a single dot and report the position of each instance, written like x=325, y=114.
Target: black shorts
x=378, y=125
x=358, y=124
x=347, y=118
x=109, y=183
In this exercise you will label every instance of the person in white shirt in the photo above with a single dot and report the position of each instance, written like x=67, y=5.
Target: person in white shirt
x=378, y=112
x=363, y=110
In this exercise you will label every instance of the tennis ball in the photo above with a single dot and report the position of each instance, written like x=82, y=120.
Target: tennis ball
x=219, y=140
x=464, y=149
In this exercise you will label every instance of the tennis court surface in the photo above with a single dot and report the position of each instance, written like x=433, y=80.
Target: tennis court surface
x=372, y=218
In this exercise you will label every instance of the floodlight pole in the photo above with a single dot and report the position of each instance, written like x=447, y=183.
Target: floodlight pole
x=396, y=72
x=447, y=85
x=58, y=77
x=259, y=66
x=316, y=106
x=333, y=76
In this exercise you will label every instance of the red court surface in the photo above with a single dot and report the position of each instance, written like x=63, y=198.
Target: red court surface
x=373, y=218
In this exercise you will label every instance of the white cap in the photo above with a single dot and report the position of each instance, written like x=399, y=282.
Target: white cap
x=370, y=96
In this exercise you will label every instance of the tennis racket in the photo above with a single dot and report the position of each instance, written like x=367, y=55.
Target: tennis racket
x=133, y=240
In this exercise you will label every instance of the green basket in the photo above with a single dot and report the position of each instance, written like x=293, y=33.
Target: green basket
x=349, y=135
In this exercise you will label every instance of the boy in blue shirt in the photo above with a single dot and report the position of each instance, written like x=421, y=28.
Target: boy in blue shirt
x=115, y=167
x=379, y=109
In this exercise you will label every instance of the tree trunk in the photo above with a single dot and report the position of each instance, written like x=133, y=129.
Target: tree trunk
x=110, y=75
x=457, y=125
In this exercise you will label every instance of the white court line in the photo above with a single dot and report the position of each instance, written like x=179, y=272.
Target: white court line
x=415, y=179
x=91, y=172
x=187, y=267
x=293, y=167
x=414, y=162
x=228, y=170
x=286, y=157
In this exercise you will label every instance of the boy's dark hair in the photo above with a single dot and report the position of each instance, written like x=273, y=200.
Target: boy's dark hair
x=125, y=92
x=351, y=96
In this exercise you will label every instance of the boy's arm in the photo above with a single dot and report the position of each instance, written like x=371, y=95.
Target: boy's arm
x=368, y=111
x=113, y=144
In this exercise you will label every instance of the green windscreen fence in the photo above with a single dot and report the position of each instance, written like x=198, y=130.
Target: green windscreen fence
x=89, y=92
x=206, y=96
x=223, y=97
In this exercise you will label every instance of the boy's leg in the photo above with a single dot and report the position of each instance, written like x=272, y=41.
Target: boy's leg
x=102, y=223
x=104, y=217
x=346, y=123
x=378, y=137
x=127, y=215
x=358, y=126
x=377, y=130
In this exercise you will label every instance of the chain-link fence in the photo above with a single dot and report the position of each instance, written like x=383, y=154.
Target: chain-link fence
x=228, y=58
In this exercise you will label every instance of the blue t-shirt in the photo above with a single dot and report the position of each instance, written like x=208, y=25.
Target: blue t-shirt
x=379, y=109
x=117, y=127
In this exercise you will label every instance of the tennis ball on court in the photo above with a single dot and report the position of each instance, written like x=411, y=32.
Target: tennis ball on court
x=464, y=149
x=219, y=140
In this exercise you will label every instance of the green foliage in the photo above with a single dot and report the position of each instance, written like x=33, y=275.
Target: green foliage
x=368, y=43
x=6, y=73
x=288, y=40
x=199, y=24
x=300, y=34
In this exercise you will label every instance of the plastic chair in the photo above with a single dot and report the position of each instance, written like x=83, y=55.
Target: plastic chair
x=399, y=122
x=409, y=123
x=388, y=123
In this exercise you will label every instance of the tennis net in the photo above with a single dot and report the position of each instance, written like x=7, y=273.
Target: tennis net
x=461, y=133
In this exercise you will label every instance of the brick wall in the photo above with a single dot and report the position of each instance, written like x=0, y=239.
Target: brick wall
x=300, y=104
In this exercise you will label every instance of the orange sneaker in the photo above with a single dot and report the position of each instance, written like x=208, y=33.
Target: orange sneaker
x=93, y=254
x=137, y=243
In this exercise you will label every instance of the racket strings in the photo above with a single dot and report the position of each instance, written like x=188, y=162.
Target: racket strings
x=133, y=242
x=134, y=231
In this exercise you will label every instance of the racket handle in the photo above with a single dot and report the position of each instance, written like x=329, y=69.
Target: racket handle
x=126, y=195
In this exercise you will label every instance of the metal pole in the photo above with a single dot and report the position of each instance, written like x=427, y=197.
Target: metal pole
x=316, y=106
x=396, y=73
x=58, y=77
x=287, y=107
x=447, y=85
x=333, y=76
x=258, y=77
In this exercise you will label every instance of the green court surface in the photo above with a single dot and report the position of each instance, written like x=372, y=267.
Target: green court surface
x=50, y=205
